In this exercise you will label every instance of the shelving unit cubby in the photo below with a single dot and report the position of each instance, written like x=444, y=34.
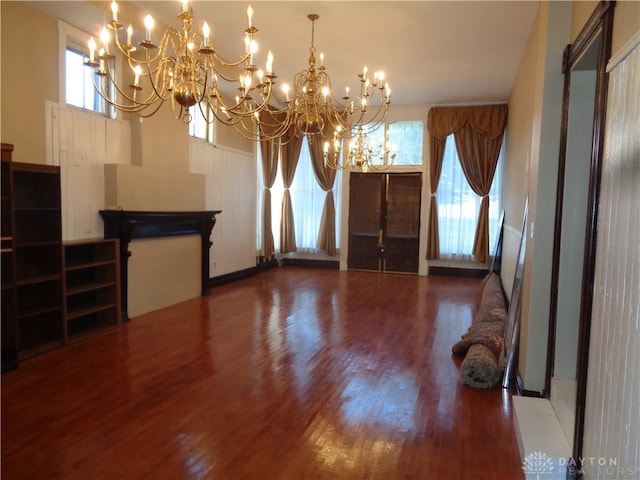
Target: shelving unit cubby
x=92, y=289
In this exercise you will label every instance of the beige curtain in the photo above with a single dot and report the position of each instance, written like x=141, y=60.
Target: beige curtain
x=326, y=177
x=290, y=152
x=269, y=150
x=478, y=132
x=436, y=147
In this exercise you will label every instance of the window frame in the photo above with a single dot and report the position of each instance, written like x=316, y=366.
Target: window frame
x=72, y=38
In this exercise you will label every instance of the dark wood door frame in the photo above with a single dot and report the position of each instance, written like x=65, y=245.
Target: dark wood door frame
x=600, y=23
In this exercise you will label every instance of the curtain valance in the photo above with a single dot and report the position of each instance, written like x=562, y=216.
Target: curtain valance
x=490, y=120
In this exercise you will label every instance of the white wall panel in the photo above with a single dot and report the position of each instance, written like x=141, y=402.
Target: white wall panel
x=78, y=144
x=612, y=425
x=230, y=187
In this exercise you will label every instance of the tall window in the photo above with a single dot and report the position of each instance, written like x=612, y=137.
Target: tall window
x=308, y=199
x=458, y=207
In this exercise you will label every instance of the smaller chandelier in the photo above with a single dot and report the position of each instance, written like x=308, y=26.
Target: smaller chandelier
x=361, y=154
x=183, y=68
x=312, y=109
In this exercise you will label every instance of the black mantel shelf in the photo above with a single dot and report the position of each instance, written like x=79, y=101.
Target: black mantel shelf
x=127, y=225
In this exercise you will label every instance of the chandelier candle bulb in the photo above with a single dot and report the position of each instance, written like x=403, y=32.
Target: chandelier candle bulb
x=101, y=56
x=253, y=48
x=105, y=38
x=185, y=6
x=136, y=79
x=92, y=50
x=250, y=16
x=269, y=65
x=206, y=31
x=129, y=34
x=148, y=25
x=114, y=11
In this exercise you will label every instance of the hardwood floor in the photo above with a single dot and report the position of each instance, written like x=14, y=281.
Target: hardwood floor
x=291, y=374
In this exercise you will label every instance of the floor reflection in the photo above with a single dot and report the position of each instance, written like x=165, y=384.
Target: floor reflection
x=389, y=402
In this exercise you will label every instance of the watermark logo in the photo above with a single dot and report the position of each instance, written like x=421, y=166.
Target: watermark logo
x=538, y=464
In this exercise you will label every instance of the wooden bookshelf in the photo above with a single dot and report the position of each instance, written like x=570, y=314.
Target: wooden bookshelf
x=9, y=332
x=36, y=255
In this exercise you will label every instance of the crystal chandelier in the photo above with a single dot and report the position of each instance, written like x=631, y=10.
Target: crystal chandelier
x=362, y=154
x=312, y=109
x=183, y=68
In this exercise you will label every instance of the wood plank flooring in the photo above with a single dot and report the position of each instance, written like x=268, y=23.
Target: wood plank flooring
x=290, y=374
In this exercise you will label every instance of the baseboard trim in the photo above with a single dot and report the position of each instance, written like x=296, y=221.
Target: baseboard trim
x=305, y=262
x=269, y=264
x=458, y=272
x=233, y=276
x=266, y=264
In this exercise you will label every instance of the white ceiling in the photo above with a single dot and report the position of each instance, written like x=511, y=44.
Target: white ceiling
x=432, y=52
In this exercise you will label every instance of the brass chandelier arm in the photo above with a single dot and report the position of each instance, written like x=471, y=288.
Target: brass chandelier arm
x=134, y=105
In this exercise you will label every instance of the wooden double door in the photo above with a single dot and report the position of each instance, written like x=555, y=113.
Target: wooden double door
x=384, y=221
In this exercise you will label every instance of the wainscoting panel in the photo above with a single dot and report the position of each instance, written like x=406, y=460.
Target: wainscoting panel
x=231, y=187
x=612, y=424
x=81, y=144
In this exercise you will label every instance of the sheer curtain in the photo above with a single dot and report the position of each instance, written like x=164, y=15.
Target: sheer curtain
x=459, y=206
x=308, y=199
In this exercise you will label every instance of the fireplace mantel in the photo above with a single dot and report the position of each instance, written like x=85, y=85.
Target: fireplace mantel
x=127, y=225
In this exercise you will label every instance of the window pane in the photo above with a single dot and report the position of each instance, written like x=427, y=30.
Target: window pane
x=458, y=207
x=80, y=91
x=198, y=125
x=407, y=138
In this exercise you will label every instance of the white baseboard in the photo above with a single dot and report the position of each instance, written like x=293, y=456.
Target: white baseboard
x=543, y=447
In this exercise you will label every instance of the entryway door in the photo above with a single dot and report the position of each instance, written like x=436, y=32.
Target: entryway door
x=384, y=221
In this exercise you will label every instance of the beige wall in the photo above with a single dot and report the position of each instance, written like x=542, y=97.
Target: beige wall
x=626, y=23
x=533, y=133
x=23, y=96
x=581, y=11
